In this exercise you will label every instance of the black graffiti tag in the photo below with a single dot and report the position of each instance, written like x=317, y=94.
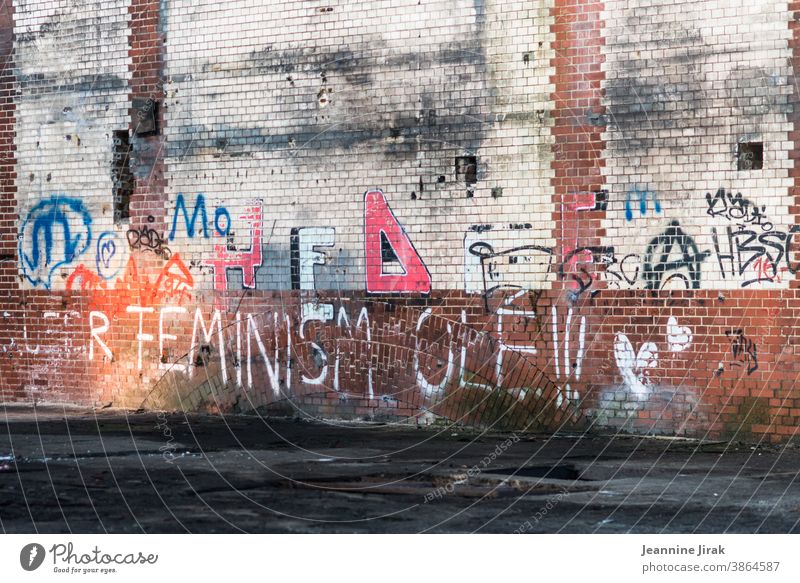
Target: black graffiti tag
x=658, y=262
x=745, y=351
x=735, y=207
x=767, y=255
x=581, y=276
x=491, y=260
x=625, y=270
x=763, y=253
x=147, y=239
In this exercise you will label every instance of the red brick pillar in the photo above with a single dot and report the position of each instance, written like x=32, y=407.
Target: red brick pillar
x=147, y=91
x=11, y=376
x=579, y=118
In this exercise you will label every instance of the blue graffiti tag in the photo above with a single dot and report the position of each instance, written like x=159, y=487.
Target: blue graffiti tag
x=218, y=214
x=199, y=207
x=41, y=250
x=108, y=255
x=642, y=195
x=199, y=212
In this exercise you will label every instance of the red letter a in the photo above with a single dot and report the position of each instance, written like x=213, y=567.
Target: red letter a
x=387, y=242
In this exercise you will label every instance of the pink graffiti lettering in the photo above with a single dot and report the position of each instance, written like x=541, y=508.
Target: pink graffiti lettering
x=385, y=238
x=246, y=260
x=576, y=202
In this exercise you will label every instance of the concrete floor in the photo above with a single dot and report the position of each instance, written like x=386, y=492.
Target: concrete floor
x=96, y=471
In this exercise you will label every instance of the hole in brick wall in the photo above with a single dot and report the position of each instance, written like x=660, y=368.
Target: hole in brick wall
x=145, y=118
x=121, y=175
x=750, y=155
x=467, y=169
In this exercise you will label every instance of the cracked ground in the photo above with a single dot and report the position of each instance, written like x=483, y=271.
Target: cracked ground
x=87, y=471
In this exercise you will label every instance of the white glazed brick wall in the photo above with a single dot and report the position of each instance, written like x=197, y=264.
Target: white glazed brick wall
x=72, y=69
x=244, y=121
x=685, y=81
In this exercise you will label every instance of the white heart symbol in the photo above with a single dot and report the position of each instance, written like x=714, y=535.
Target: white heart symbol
x=679, y=338
x=632, y=366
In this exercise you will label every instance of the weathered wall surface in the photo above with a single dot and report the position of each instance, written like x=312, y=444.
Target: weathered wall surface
x=536, y=215
x=72, y=71
x=306, y=107
x=671, y=142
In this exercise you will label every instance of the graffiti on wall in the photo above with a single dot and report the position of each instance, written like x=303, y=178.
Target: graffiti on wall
x=755, y=257
x=248, y=260
x=55, y=233
x=743, y=350
x=749, y=248
x=305, y=255
x=573, y=256
x=515, y=329
x=335, y=349
x=173, y=282
x=393, y=263
x=572, y=367
x=198, y=223
x=504, y=258
x=147, y=239
x=641, y=195
x=622, y=273
x=679, y=338
x=737, y=209
x=330, y=343
x=673, y=255
x=635, y=366
x=582, y=278
x=110, y=255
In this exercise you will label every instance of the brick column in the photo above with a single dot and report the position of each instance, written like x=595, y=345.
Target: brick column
x=147, y=90
x=11, y=376
x=579, y=118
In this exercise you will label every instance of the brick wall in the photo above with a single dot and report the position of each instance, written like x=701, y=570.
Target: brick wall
x=534, y=215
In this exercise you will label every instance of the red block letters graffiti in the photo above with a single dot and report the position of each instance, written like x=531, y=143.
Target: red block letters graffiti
x=386, y=242
x=247, y=260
